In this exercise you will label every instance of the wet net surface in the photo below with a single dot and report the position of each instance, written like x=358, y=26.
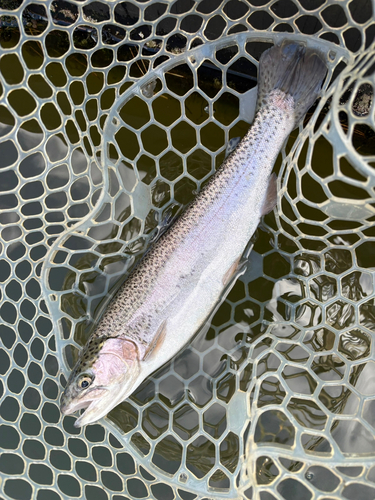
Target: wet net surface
x=112, y=115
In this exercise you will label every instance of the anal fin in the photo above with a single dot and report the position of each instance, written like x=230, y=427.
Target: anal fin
x=169, y=217
x=156, y=342
x=270, y=199
x=232, y=144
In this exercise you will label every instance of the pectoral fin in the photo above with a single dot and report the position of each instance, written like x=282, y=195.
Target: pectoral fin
x=233, y=268
x=157, y=342
x=270, y=199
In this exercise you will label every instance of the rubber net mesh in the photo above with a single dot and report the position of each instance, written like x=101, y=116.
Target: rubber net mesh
x=111, y=115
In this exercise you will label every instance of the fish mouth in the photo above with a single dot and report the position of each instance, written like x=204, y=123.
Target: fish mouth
x=99, y=408
x=73, y=406
x=94, y=409
x=93, y=412
x=101, y=401
x=68, y=409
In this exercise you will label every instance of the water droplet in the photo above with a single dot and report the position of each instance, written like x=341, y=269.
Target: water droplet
x=183, y=477
x=331, y=55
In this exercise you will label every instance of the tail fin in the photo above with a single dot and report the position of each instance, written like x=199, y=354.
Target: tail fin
x=295, y=70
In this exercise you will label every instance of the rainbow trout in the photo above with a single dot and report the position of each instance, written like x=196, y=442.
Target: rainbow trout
x=172, y=292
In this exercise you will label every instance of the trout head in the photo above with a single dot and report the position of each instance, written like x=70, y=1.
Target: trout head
x=103, y=377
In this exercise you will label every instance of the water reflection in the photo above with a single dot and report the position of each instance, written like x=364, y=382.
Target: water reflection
x=340, y=315
x=355, y=344
x=339, y=399
x=306, y=265
x=323, y=288
x=323, y=308
x=351, y=287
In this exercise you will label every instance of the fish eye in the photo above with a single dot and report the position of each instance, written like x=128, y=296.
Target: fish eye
x=84, y=382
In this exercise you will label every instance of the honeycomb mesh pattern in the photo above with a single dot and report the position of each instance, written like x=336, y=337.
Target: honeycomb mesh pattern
x=112, y=116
